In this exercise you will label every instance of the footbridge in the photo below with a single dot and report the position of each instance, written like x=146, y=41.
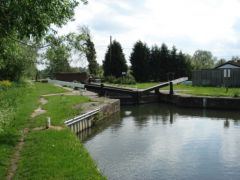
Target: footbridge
x=132, y=95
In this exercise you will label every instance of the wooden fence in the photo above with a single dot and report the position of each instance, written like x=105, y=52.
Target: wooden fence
x=215, y=77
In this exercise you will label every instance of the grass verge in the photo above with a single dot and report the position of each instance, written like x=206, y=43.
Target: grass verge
x=206, y=91
x=54, y=154
x=16, y=105
x=137, y=85
x=38, y=159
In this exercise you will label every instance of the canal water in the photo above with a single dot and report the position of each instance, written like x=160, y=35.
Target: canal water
x=161, y=141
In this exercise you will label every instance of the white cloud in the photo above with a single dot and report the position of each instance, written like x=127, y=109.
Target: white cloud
x=190, y=25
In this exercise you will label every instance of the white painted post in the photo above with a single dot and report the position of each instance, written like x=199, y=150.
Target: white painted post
x=48, y=125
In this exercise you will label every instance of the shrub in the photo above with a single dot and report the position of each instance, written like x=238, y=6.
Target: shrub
x=128, y=79
x=6, y=114
x=236, y=94
x=5, y=84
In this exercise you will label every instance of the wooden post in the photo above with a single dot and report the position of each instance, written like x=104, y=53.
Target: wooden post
x=48, y=124
x=171, y=88
x=157, y=91
x=137, y=97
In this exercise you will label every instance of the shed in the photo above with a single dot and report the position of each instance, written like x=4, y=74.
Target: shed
x=226, y=74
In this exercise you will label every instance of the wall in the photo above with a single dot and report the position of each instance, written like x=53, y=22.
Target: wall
x=201, y=102
x=214, y=77
x=70, y=77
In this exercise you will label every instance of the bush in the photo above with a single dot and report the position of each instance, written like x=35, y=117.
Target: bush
x=128, y=79
x=5, y=84
x=236, y=94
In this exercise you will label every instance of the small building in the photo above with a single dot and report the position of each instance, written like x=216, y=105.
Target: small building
x=229, y=65
x=70, y=77
x=226, y=74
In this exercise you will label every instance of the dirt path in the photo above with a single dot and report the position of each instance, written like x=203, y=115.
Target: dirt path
x=14, y=162
x=39, y=110
x=16, y=157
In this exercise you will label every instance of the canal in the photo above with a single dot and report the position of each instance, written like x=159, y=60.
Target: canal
x=160, y=141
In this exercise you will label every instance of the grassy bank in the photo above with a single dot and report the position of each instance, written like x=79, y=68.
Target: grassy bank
x=137, y=85
x=189, y=89
x=206, y=91
x=47, y=154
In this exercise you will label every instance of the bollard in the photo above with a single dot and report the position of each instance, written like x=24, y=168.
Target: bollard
x=48, y=124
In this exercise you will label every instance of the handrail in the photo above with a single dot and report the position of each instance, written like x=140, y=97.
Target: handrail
x=81, y=117
x=64, y=83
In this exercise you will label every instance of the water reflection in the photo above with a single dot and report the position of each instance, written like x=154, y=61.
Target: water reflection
x=165, y=142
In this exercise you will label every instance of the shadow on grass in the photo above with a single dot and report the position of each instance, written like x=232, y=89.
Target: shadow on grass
x=8, y=139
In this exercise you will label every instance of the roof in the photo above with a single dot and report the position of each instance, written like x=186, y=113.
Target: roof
x=234, y=63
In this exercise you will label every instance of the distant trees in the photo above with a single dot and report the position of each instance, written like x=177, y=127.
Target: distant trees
x=114, y=63
x=158, y=63
x=202, y=60
x=139, y=59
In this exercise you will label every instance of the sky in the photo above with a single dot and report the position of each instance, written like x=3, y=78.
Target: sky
x=212, y=25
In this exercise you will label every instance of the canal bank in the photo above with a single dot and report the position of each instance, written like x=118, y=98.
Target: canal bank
x=94, y=114
x=55, y=152
x=208, y=102
x=153, y=141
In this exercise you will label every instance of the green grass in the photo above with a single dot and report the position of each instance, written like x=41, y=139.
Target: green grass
x=22, y=101
x=58, y=155
x=16, y=105
x=189, y=89
x=60, y=108
x=206, y=91
x=137, y=85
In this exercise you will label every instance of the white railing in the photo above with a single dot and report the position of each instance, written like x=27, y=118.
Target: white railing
x=68, y=84
x=81, y=117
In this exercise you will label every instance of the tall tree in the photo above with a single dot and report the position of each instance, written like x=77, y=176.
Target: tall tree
x=164, y=62
x=114, y=63
x=154, y=63
x=140, y=61
x=183, y=66
x=93, y=66
x=202, y=60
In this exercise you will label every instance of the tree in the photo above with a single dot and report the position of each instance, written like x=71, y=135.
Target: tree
x=58, y=56
x=139, y=59
x=23, y=23
x=164, y=62
x=93, y=66
x=202, y=60
x=114, y=63
x=32, y=18
x=183, y=66
x=61, y=50
x=220, y=62
x=154, y=63
x=15, y=60
x=235, y=58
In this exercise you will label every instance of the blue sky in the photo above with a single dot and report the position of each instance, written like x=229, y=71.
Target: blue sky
x=190, y=25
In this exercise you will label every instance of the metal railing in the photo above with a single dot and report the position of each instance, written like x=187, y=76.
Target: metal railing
x=68, y=84
x=81, y=117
